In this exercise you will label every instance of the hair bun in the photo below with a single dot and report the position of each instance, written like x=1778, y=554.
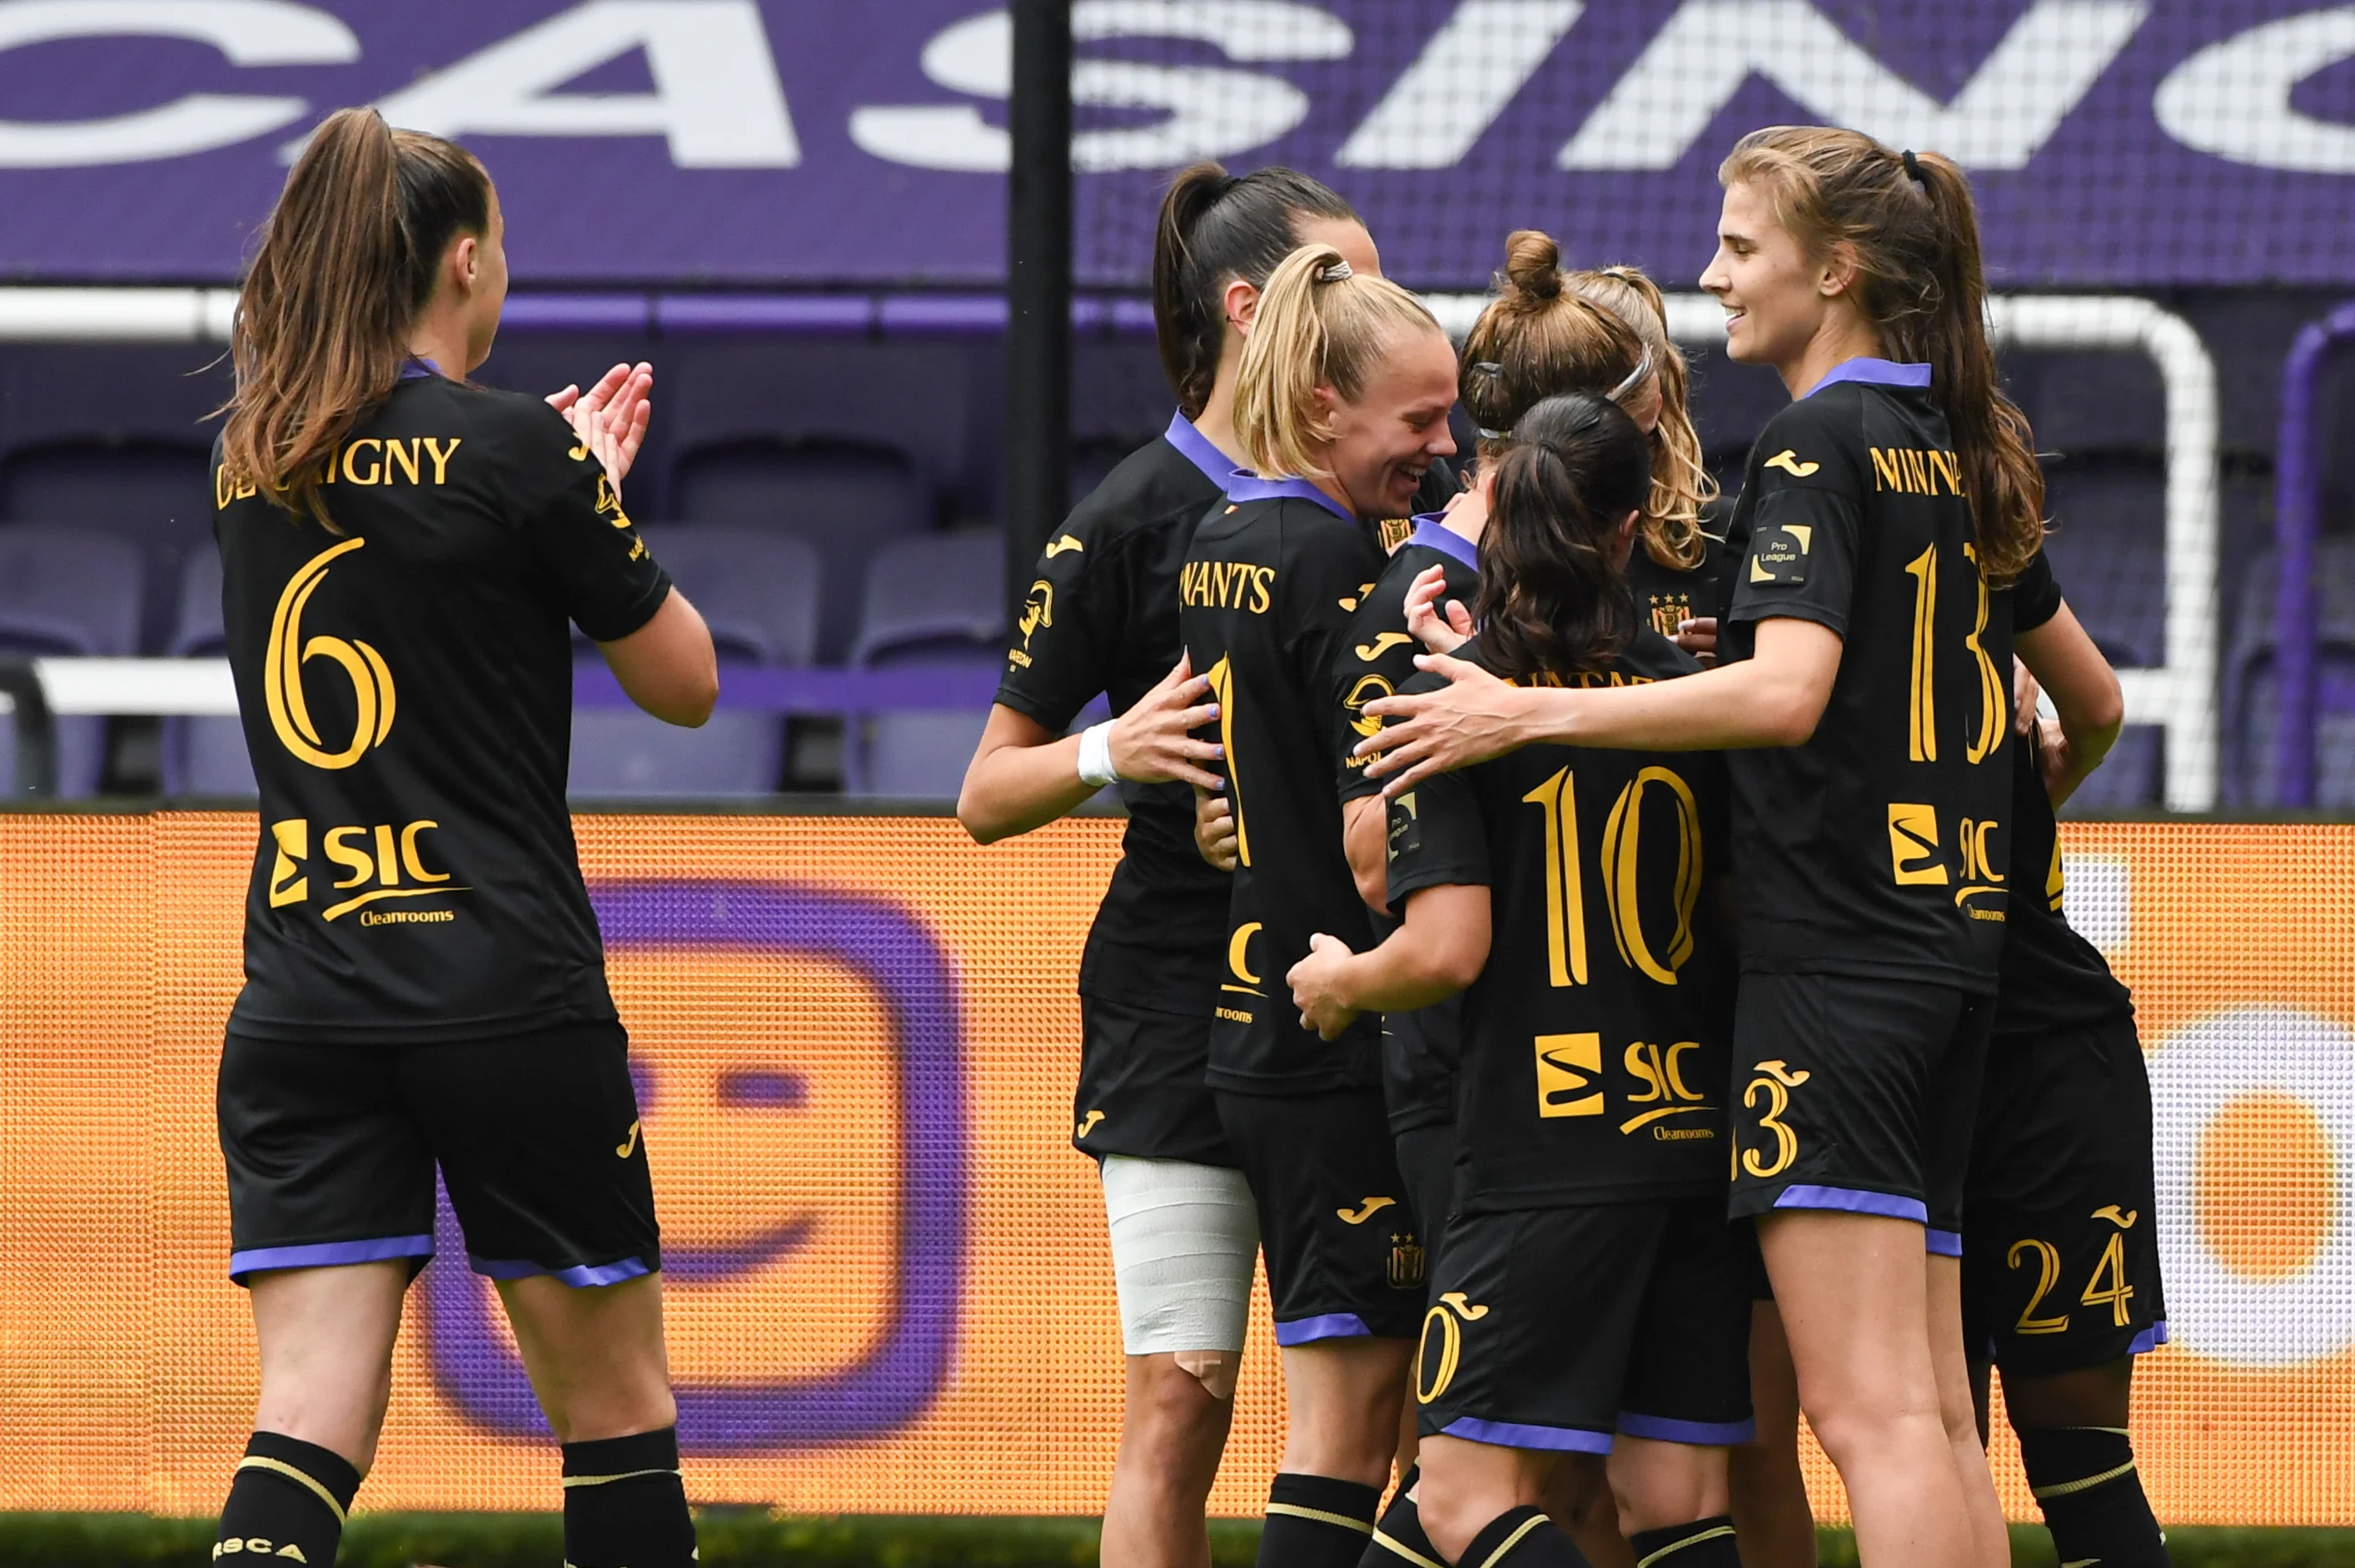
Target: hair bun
x=1533, y=263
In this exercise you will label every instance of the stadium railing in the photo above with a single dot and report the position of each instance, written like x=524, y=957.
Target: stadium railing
x=2298, y=533
x=2179, y=696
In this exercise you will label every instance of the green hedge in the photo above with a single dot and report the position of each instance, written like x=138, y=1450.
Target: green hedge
x=743, y=1538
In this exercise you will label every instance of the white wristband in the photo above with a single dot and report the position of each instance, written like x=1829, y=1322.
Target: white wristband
x=1095, y=754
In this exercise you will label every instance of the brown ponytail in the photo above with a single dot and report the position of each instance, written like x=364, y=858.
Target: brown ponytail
x=1920, y=279
x=1214, y=229
x=1552, y=601
x=1318, y=324
x=345, y=263
x=1547, y=332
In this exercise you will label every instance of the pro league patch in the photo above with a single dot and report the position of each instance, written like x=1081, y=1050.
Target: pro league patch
x=1780, y=555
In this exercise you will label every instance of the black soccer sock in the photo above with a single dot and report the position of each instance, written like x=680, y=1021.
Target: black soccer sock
x=625, y=1505
x=1704, y=1543
x=1522, y=1538
x=288, y=1501
x=2085, y=1479
x=1399, y=1540
x=1317, y=1521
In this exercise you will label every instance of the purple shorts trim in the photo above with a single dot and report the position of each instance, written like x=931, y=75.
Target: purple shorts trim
x=2149, y=1340
x=581, y=1277
x=328, y=1254
x=1944, y=1243
x=1854, y=1200
x=1325, y=1326
x=1700, y=1433
x=1518, y=1434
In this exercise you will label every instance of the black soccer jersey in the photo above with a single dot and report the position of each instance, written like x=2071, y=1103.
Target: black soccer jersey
x=1665, y=595
x=2052, y=979
x=406, y=683
x=1594, y=1065
x=1102, y=615
x=1266, y=596
x=1877, y=847
x=1376, y=657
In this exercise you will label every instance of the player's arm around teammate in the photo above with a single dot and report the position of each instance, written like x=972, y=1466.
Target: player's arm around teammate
x=401, y=1007
x=1875, y=511
x=1341, y=407
x=1102, y=615
x=1589, y=1202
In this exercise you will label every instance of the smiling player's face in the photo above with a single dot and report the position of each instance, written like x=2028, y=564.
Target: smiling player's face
x=1772, y=292
x=1384, y=440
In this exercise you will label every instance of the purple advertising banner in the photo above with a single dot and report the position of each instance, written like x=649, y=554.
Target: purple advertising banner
x=2114, y=143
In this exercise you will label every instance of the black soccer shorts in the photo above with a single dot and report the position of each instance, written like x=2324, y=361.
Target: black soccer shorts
x=332, y=1150
x=1556, y=1328
x=2060, y=1268
x=1345, y=1258
x=1857, y=1093
x=1426, y=1160
x=1140, y=1089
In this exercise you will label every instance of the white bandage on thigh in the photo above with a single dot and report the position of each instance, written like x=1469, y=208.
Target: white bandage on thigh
x=1184, y=1240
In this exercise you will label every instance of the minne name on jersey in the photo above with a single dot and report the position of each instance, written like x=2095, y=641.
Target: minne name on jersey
x=1910, y=470
x=1227, y=585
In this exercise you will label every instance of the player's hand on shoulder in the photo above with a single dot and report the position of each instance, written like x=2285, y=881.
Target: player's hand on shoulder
x=1214, y=828
x=1473, y=717
x=1315, y=983
x=1153, y=742
x=1422, y=622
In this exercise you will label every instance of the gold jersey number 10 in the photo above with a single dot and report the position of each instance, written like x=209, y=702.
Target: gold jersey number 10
x=1621, y=850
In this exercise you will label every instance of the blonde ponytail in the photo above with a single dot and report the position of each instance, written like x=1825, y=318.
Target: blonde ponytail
x=1318, y=324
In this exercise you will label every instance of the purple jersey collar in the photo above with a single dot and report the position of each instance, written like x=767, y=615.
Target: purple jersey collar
x=1433, y=534
x=1196, y=448
x=419, y=369
x=1246, y=487
x=1875, y=373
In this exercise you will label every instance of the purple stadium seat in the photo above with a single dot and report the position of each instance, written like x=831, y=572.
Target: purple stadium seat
x=843, y=502
x=64, y=590
x=844, y=443
x=758, y=593
x=934, y=602
x=2251, y=699
x=154, y=495
x=204, y=756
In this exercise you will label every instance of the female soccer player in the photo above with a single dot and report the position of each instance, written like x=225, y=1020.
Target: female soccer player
x=1866, y=665
x=1341, y=407
x=1103, y=616
x=2061, y=1275
x=424, y=985
x=1588, y=1283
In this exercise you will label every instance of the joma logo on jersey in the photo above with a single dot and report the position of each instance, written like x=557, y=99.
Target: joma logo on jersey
x=1911, y=471
x=282, y=673
x=389, y=857
x=1227, y=585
